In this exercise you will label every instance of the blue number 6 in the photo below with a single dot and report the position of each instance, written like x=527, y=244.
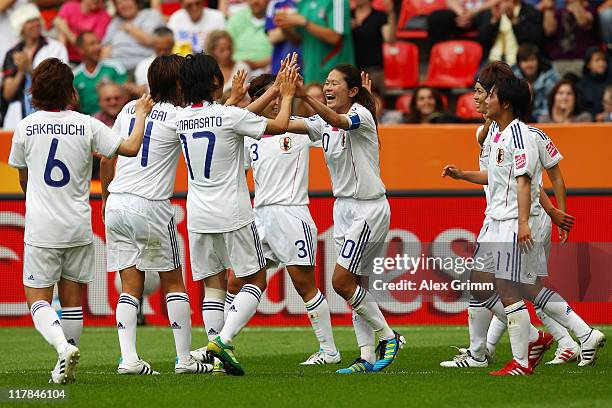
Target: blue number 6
x=52, y=163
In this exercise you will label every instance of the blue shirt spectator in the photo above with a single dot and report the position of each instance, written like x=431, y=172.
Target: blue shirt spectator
x=283, y=42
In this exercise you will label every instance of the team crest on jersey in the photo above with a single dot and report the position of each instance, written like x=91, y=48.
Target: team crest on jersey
x=551, y=149
x=520, y=160
x=285, y=143
x=500, y=155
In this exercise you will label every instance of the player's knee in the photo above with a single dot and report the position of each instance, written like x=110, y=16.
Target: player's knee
x=172, y=281
x=482, y=295
x=341, y=285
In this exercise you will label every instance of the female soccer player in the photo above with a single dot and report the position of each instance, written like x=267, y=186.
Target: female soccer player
x=222, y=231
x=52, y=150
x=287, y=231
x=347, y=130
x=140, y=228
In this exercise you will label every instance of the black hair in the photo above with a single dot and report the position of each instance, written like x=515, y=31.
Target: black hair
x=492, y=72
x=163, y=76
x=81, y=38
x=415, y=115
x=163, y=31
x=352, y=76
x=200, y=77
x=553, y=93
x=260, y=85
x=52, y=85
x=516, y=92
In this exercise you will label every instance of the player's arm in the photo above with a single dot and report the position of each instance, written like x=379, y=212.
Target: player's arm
x=131, y=146
x=476, y=177
x=558, y=215
x=297, y=126
x=523, y=196
x=260, y=103
x=107, y=173
x=280, y=124
x=23, y=179
x=327, y=114
x=483, y=132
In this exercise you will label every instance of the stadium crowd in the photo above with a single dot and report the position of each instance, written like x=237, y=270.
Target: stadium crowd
x=562, y=48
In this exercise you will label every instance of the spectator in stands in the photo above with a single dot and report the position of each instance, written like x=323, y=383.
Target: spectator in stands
x=370, y=29
x=163, y=43
x=251, y=44
x=605, y=22
x=74, y=18
x=510, y=24
x=111, y=99
x=284, y=42
x=426, y=106
x=570, y=32
x=92, y=71
x=563, y=105
x=386, y=116
x=595, y=77
x=314, y=89
x=21, y=60
x=219, y=44
x=606, y=115
x=8, y=37
x=540, y=74
x=325, y=27
x=461, y=17
x=192, y=23
x=128, y=37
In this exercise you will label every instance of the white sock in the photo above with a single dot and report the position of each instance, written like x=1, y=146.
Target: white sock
x=557, y=308
x=179, y=314
x=479, y=318
x=229, y=298
x=496, y=307
x=48, y=324
x=496, y=331
x=365, y=338
x=560, y=333
x=320, y=319
x=213, y=312
x=364, y=304
x=72, y=324
x=243, y=308
x=126, y=313
x=518, y=329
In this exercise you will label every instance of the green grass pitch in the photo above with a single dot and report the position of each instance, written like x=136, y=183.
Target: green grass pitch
x=275, y=379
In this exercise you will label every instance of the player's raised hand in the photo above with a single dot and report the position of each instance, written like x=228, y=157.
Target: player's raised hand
x=452, y=171
x=288, y=83
x=144, y=105
x=525, y=240
x=366, y=82
x=239, y=89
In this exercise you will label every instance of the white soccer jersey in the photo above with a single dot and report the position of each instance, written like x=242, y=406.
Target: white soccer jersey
x=548, y=152
x=483, y=159
x=514, y=152
x=151, y=174
x=56, y=148
x=212, y=136
x=351, y=155
x=280, y=168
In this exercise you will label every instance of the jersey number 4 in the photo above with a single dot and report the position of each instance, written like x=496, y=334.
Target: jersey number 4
x=209, y=151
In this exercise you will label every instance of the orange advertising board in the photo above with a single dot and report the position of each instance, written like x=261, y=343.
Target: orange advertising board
x=412, y=157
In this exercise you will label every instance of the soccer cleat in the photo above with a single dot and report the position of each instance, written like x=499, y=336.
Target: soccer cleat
x=138, y=367
x=202, y=355
x=225, y=353
x=387, y=350
x=192, y=366
x=321, y=357
x=513, y=368
x=538, y=348
x=218, y=368
x=565, y=355
x=590, y=348
x=359, y=366
x=464, y=360
x=65, y=368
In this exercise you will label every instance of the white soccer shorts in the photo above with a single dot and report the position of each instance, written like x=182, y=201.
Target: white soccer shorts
x=483, y=255
x=288, y=234
x=43, y=267
x=212, y=253
x=545, y=238
x=141, y=233
x=509, y=262
x=360, y=229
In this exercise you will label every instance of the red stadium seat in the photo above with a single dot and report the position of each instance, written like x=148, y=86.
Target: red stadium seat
x=453, y=64
x=466, y=107
x=413, y=8
x=401, y=64
x=169, y=8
